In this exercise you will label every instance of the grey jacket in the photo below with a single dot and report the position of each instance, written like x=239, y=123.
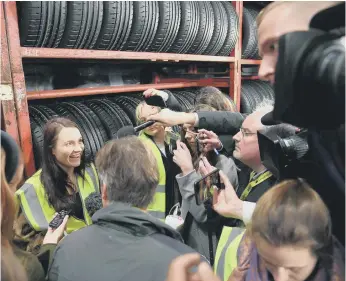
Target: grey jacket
x=198, y=233
x=123, y=243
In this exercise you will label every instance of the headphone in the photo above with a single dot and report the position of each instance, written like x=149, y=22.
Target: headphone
x=12, y=155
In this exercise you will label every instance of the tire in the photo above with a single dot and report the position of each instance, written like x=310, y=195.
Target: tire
x=37, y=141
x=246, y=102
x=175, y=23
x=140, y=25
x=152, y=26
x=33, y=16
x=128, y=106
x=110, y=29
x=250, y=47
x=117, y=112
x=232, y=31
x=96, y=14
x=77, y=21
x=126, y=24
x=204, y=28
x=110, y=123
x=220, y=29
x=188, y=27
x=165, y=26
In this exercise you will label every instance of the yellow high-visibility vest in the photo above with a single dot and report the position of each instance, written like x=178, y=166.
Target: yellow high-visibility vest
x=33, y=201
x=158, y=207
x=226, y=257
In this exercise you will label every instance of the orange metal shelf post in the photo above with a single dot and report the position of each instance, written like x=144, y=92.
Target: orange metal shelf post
x=236, y=72
x=19, y=86
x=7, y=104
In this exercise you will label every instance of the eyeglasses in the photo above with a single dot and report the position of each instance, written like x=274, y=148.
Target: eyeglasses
x=246, y=134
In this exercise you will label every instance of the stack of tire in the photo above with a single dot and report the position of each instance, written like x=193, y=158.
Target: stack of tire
x=185, y=27
x=99, y=119
x=250, y=41
x=253, y=92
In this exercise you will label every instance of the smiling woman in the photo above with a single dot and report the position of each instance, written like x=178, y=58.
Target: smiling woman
x=63, y=183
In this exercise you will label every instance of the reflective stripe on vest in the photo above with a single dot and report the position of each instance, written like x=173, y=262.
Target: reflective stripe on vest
x=33, y=201
x=226, y=253
x=158, y=207
x=254, y=182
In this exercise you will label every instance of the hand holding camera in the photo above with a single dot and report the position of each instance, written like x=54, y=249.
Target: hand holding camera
x=226, y=202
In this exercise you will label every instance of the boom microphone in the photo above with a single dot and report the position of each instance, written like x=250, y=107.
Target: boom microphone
x=131, y=131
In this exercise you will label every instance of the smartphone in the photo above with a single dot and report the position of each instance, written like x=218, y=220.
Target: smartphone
x=204, y=188
x=59, y=218
x=156, y=101
x=171, y=139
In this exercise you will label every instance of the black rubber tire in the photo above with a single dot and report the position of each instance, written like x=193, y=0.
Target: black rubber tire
x=100, y=133
x=37, y=142
x=250, y=47
x=188, y=27
x=126, y=16
x=58, y=24
x=246, y=101
x=141, y=18
x=77, y=21
x=220, y=29
x=110, y=30
x=128, y=105
x=33, y=20
x=96, y=15
x=108, y=121
x=175, y=23
x=206, y=28
x=117, y=112
x=165, y=26
x=62, y=23
x=152, y=25
x=232, y=31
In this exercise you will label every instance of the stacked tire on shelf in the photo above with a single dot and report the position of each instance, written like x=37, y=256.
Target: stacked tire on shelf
x=249, y=41
x=186, y=27
x=253, y=92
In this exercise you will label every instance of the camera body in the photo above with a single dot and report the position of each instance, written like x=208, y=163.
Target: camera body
x=310, y=93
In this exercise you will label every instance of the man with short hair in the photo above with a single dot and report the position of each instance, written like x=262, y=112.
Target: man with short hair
x=124, y=242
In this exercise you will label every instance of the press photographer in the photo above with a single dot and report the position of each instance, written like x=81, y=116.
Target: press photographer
x=310, y=93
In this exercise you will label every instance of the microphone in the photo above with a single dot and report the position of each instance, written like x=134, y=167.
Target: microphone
x=131, y=131
x=93, y=203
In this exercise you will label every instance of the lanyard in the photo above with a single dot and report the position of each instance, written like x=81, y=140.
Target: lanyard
x=254, y=183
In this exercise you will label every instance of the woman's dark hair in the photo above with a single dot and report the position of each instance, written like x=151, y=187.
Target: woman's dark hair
x=215, y=98
x=195, y=155
x=54, y=179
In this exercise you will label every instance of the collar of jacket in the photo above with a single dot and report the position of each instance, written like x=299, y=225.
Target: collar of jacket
x=126, y=218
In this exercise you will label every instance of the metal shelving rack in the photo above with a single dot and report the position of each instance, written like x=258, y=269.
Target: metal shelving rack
x=14, y=97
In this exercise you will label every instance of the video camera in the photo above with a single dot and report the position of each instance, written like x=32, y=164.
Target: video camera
x=310, y=93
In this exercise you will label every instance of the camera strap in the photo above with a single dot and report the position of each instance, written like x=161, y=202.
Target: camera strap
x=208, y=207
x=254, y=182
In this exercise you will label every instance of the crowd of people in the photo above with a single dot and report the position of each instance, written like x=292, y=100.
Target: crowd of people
x=149, y=225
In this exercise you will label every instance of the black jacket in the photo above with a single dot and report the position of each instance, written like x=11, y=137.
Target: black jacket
x=124, y=243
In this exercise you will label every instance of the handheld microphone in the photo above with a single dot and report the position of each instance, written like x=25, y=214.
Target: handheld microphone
x=131, y=131
x=93, y=203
